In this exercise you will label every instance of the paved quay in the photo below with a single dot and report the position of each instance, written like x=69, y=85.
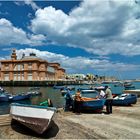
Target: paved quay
x=124, y=123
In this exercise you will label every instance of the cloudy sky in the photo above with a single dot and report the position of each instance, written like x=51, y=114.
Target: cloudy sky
x=90, y=36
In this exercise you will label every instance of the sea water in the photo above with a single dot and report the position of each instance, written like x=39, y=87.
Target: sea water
x=54, y=94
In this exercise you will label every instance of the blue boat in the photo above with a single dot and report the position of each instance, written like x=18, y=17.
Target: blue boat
x=91, y=102
x=19, y=97
x=4, y=97
x=125, y=99
x=59, y=87
x=129, y=87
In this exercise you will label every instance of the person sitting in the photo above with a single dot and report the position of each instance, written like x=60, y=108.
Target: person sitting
x=47, y=103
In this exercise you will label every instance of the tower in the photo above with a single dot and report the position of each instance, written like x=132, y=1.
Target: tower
x=14, y=56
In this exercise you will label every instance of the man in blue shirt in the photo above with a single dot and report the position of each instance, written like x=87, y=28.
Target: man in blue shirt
x=68, y=99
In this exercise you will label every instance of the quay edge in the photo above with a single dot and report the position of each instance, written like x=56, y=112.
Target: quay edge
x=38, y=83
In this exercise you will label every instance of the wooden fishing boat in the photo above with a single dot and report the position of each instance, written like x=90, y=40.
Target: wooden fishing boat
x=37, y=118
x=125, y=99
x=33, y=93
x=127, y=84
x=91, y=102
x=89, y=91
x=4, y=97
x=129, y=87
x=34, y=88
x=59, y=87
x=19, y=97
x=132, y=91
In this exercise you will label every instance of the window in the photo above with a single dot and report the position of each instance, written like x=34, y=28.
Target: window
x=6, y=67
x=18, y=67
x=22, y=67
x=18, y=76
x=30, y=76
x=30, y=66
x=15, y=76
x=6, y=77
x=22, y=76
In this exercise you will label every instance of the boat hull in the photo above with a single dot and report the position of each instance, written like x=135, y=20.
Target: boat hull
x=93, y=105
x=130, y=99
x=19, y=97
x=37, y=118
x=4, y=98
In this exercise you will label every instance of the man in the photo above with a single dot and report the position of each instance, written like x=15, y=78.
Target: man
x=109, y=100
x=77, y=102
x=101, y=94
x=68, y=99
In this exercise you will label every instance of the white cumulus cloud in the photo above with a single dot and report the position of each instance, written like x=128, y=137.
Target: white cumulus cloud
x=10, y=34
x=99, y=27
x=77, y=64
x=27, y=2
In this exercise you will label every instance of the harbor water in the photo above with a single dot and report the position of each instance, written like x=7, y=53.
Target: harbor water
x=54, y=94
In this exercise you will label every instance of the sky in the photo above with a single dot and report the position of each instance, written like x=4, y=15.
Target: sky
x=101, y=37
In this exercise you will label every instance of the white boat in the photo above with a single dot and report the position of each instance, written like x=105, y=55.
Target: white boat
x=132, y=91
x=37, y=118
x=88, y=91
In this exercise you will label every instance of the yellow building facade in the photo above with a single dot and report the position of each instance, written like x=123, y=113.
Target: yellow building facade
x=29, y=68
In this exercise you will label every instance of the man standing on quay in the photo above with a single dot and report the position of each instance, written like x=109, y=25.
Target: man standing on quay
x=109, y=100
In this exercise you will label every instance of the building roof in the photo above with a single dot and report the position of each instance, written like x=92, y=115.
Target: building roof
x=30, y=57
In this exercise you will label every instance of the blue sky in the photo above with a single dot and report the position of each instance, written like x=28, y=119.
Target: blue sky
x=90, y=36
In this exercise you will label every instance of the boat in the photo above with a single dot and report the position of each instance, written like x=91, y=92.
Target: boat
x=83, y=89
x=129, y=87
x=34, y=88
x=134, y=91
x=19, y=97
x=118, y=85
x=89, y=91
x=92, y=88
x=125, y=99
x=59, y=87
x=63, y=92
x=4, y=97
x=91, y=102
x=70, y=88
x=33, y=93
x=37, y=118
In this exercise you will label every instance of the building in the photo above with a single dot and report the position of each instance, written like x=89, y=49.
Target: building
x=76, y=76
x=29, y=68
